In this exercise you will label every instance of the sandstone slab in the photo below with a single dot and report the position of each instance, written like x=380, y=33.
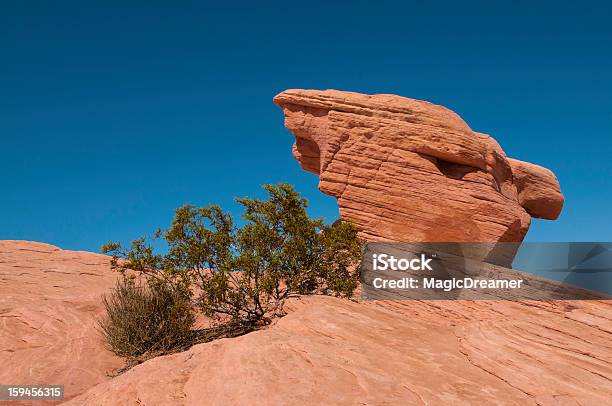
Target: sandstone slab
x=337, y=352
x=49, y=302
x=325, y=351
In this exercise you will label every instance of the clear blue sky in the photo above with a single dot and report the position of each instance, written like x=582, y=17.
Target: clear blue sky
x=113, y=114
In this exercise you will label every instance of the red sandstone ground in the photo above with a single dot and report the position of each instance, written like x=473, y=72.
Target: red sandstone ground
x=325, y=351
x=49, y=299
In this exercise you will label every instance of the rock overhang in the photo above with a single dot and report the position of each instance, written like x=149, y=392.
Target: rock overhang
x=372, y=152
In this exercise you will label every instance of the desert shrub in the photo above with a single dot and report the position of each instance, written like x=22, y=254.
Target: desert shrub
x=146, y=316
x=243, y=274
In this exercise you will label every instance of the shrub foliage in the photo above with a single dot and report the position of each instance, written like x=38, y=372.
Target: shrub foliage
x=144, y=317
x=241, y=275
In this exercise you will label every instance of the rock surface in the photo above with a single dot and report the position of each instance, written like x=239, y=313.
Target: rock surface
x=49, y=301
x=336, y=352
x=408, y=170
x=325, y=351
x=538, y=189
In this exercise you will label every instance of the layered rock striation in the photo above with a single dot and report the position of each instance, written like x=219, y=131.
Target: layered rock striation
x=408, y=170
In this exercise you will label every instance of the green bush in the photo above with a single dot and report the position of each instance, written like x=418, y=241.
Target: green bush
x=145, y=317
x=241, y=275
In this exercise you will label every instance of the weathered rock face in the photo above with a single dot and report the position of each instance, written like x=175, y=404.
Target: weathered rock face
x=329, y=351
x=408, y=170
x=49, y=302
x=325, y=351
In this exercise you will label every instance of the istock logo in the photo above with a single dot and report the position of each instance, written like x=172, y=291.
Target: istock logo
x=383, y=262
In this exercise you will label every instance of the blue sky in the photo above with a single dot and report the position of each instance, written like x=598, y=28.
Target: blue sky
x=113, y=114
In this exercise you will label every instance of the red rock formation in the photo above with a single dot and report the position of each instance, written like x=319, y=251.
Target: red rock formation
x=325, y=351
x=538, y=190
x=408, y=170
x=329, y=351
x=49, y=302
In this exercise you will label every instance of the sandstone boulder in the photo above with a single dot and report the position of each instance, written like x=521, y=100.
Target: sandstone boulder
x=408, y=170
